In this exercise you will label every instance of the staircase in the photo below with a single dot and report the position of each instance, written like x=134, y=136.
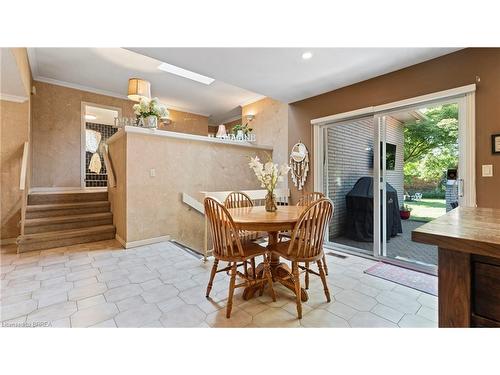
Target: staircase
x=66, y=218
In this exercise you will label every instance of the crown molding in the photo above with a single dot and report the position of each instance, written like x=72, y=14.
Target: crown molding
x=76, y=86
x=13, y=98
x=106, y=93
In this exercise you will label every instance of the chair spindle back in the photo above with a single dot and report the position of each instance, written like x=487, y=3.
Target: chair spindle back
x=226, y=240
x=237, y=199
x=309, y=232
x=309, y=198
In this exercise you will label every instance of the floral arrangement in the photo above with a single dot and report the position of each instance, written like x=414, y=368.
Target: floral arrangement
x=153, y=107
x=268, y=174
x=244, y=128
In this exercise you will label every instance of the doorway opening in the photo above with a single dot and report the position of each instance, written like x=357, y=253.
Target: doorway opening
x=97, y=127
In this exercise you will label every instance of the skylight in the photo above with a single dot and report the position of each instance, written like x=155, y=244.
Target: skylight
x=169, y=68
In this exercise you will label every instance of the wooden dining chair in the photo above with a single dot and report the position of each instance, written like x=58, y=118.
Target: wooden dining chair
x=305, y=200
x=229, y=247
x=238, y=199
x=306, y=245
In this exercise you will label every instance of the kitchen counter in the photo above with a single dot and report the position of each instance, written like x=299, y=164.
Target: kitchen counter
x=468, y=240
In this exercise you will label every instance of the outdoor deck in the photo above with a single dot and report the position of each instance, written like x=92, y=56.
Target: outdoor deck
x=400, y=247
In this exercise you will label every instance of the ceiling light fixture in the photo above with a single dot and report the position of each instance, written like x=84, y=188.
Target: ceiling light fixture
x=90, y=117
x=138, y=89
x=307, y=55
x=185, y=73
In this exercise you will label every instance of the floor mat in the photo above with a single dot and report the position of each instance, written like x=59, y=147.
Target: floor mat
x=412, y=279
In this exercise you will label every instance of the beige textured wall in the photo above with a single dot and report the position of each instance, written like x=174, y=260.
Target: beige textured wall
x=14, y=120
x=118, y=194
x=154, y=204
x=184, y=122
x=270, y=126
x=14, y=131
x=57, y=131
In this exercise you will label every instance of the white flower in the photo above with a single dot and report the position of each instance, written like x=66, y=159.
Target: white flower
x=268, y=174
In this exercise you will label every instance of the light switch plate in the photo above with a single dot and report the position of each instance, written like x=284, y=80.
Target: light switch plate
x=487, y=170
x=152, y=172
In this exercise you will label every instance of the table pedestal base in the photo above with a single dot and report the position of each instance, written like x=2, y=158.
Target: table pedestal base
x=280, y=272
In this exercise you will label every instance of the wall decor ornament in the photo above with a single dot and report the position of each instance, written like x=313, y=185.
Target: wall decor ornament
x=299, y=162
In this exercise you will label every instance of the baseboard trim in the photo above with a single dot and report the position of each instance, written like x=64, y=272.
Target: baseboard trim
x=8, y=241
x=147, y=241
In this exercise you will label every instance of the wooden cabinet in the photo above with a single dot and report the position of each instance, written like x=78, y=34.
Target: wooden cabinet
x=486, y=290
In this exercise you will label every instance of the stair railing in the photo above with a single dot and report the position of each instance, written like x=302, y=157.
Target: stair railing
x=23, y=183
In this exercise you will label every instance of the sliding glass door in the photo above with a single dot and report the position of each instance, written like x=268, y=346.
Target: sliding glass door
x=349, y=166
x=390, y=171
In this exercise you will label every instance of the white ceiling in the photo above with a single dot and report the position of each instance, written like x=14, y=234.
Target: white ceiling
x=11, y=84
x=242, y=75
x=282, y=74
x=107, y=70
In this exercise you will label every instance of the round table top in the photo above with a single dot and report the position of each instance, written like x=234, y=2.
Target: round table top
x=258, y=219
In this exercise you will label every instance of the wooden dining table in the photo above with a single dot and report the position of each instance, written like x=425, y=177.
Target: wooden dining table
x=258, y=219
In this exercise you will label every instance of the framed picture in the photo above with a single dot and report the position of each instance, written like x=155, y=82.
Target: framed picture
x=495, y=143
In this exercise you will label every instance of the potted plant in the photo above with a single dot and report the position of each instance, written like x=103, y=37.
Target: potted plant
x=269, y=175
x=404, y=212
x=149, y=111
x=241, y=131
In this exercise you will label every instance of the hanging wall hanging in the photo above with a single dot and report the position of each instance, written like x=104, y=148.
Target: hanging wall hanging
x=299, y=162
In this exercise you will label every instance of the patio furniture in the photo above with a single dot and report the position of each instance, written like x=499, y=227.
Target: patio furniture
x=306, y=245
x=359, y=218
x=417, y=196
x=229, y=247
x=258, y=219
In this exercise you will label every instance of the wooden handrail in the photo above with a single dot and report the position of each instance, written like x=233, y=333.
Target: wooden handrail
x=24, y=167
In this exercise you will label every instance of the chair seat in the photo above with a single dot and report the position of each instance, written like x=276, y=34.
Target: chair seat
x=250, y=250
x=282, y=250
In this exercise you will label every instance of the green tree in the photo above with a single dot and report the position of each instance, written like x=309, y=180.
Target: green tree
x=439, y=129
x=431, y=145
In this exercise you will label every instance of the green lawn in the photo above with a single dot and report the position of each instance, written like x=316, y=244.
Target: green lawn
x=426, y=209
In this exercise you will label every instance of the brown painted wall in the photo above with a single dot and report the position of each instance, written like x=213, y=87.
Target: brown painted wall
x=446, y=72
x=57, y=131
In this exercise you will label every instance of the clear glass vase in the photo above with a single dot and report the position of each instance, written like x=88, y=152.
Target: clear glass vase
x=151, y=122
x=271, y=202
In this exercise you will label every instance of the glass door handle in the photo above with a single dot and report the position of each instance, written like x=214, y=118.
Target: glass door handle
x=460, y=187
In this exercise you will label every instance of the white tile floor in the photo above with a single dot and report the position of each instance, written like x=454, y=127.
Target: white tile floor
x=161, y=285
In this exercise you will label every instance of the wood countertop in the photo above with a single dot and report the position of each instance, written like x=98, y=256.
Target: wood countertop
x=468, y=230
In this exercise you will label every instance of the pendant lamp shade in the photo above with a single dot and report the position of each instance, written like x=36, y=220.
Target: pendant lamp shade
x=138, y=89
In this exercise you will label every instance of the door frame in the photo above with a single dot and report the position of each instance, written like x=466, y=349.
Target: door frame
x=464, y=96
x=83, y=140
